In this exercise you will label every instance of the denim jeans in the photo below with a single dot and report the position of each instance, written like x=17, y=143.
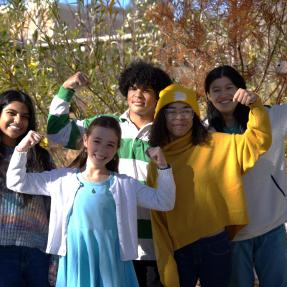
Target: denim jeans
x=266, y=253
x=207, y=259
x=23, y=267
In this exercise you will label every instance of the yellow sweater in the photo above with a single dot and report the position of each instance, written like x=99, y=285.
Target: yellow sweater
x=209, y=191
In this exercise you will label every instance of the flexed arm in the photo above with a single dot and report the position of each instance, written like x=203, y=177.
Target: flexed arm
x=162, y=196
x=60, y=128
x=257, y=138
x=18, y=179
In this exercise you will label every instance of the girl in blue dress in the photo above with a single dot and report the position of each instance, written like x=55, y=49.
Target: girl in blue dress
x=93, y=208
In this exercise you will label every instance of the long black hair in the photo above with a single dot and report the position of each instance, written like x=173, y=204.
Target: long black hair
x=108, y=122
x=38, y=159
x=241, y=112
x=159, y=135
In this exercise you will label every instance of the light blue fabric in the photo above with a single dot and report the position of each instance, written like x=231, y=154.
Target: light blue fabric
x=93, y=256
x=268, y=253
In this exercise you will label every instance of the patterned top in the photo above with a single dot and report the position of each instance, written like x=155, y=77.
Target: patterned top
x=23, y=218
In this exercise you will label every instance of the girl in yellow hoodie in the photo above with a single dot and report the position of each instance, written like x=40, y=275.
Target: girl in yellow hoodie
x=191, y=241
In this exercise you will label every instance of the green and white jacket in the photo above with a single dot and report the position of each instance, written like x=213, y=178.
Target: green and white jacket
x=133, y=160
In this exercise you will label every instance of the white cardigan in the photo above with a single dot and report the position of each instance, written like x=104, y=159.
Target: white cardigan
x=62, y=185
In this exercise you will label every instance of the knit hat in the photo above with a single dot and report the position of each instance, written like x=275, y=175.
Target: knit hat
x=177, y=93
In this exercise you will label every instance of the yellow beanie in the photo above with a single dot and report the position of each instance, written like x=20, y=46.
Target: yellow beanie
x=177, y=93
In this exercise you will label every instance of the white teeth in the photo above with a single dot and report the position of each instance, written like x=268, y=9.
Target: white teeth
x=99, y=157
x=225, y=102
x=14, y=127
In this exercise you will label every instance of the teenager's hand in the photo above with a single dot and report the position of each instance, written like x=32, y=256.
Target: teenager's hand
x=76, y=81
x=28, y=141
x=244, y=97
x=157, y=156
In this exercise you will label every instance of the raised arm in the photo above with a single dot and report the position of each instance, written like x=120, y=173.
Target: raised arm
x=257, y=138
x=162, y=197
x=60, y=128
x=18, y=179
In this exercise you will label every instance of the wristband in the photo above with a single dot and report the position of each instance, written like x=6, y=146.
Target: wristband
x=167, y=167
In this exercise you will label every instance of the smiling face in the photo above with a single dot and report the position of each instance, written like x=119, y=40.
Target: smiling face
x=101, y=145
x=221, y=93
x=14, y=121
x=141, y=101
x=179, y=119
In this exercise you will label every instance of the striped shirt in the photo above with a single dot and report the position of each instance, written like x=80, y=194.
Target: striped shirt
x=133, y=160
x=23, y=219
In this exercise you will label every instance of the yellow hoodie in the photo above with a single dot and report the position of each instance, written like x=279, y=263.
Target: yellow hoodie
x=209, y=191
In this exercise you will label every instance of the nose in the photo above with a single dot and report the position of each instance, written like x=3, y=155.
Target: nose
x=17, y=119
x=138, y=93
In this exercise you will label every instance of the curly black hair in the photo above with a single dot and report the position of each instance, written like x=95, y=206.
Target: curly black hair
x=145, y=75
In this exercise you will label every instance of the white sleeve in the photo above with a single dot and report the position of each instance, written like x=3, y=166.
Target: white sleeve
x=19, y=180
x=163, y=197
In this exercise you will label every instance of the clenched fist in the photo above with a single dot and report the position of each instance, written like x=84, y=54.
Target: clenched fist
x=29, y=141
x=157, y=156
x=244, y=97
x=78, y=80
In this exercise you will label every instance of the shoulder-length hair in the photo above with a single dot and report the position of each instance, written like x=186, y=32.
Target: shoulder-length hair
x=108, y=122
x=241, y=112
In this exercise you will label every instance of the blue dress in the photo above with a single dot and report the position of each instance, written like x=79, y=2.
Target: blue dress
x=93, y=254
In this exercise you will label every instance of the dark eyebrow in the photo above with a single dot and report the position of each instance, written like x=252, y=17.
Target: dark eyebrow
x=214, y=87
x=12, y=110
x=99, y=138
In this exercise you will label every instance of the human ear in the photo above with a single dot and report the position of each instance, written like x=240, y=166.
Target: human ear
x=85, y=140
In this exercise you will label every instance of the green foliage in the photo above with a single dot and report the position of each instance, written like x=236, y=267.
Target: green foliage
x=42, y=43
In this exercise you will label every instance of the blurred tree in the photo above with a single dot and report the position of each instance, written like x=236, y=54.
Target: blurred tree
x=199, y=35
x=44, y=42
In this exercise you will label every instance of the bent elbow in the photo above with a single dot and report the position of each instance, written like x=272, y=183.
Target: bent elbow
x=13, y=184
x=169, y=205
